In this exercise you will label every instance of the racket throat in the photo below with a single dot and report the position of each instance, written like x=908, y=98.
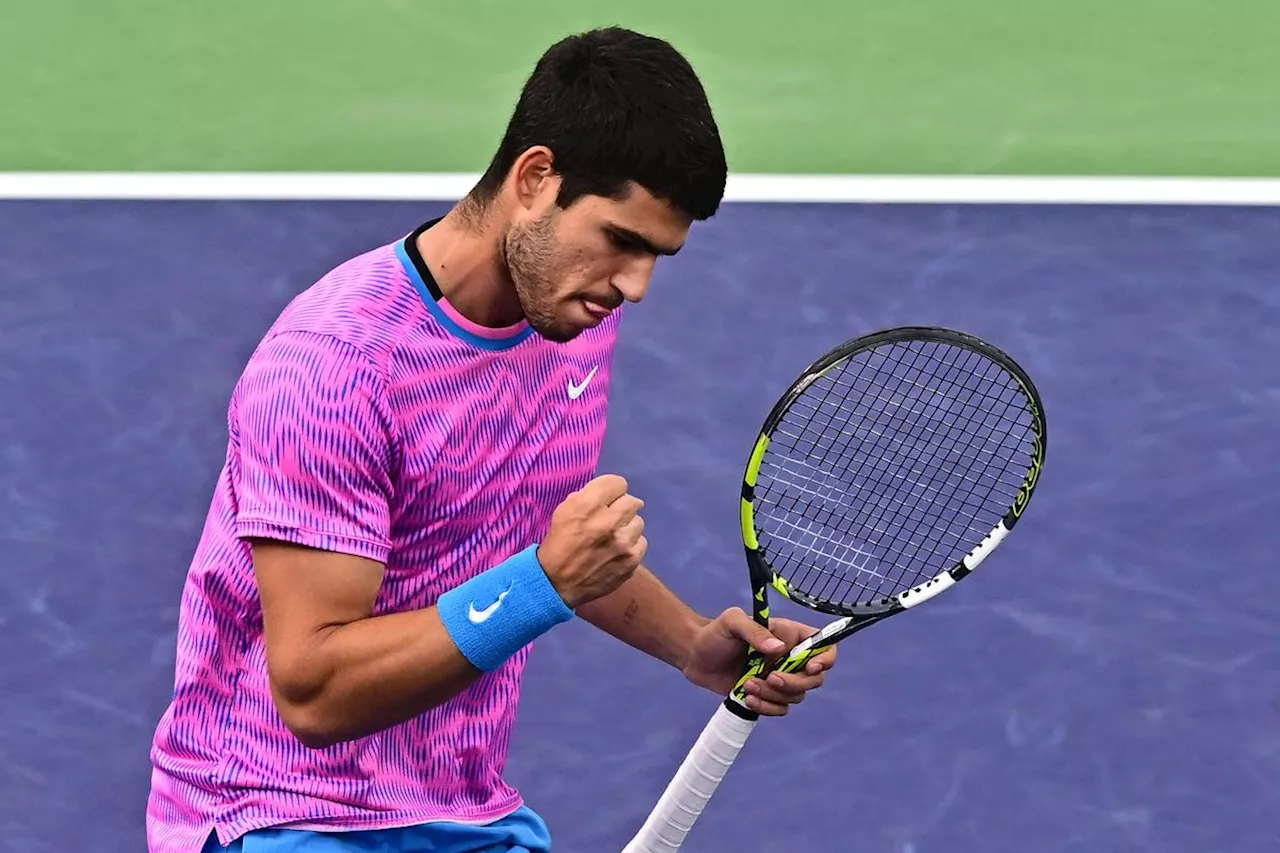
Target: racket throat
x=826, y=637
x=816, y=644
x=797, y=659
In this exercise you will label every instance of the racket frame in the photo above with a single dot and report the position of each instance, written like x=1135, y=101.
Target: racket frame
x=859, y=616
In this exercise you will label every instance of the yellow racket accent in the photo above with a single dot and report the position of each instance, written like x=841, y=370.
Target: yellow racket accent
x=757, y=455
x=749, y=525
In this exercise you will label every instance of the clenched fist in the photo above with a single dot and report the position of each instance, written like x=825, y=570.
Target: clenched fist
x=596, y=541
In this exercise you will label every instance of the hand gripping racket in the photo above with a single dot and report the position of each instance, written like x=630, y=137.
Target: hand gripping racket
x=888, y=471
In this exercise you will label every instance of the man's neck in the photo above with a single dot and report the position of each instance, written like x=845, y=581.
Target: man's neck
x=463, y=253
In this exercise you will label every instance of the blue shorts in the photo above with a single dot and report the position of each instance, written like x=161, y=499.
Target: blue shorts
x=523, y=831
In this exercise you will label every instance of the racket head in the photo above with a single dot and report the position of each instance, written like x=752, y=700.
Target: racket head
x=888, y=470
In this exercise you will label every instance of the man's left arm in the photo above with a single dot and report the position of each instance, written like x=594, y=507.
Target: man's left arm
x=711, y=653
x=647, y=616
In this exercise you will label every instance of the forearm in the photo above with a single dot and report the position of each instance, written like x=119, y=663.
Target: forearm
x=372, y=674
x=351, y=677
x=647, y=616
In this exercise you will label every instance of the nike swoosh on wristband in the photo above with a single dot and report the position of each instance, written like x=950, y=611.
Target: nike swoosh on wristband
x=478, y=616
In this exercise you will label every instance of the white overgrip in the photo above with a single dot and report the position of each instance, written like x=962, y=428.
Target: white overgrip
x=697, y=779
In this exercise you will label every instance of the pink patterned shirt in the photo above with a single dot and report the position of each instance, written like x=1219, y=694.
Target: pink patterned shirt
x=373, y=420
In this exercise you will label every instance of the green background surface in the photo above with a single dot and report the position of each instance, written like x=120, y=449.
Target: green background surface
x=1169, y=87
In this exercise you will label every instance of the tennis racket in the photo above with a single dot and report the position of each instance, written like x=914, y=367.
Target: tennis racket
x=886, y=473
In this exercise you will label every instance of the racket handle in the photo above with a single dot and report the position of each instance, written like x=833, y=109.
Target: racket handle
x=697, y=779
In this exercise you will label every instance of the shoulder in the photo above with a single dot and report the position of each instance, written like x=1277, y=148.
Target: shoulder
x=365, y=305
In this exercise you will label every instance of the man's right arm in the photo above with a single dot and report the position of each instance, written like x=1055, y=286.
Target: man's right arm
x=338, y=673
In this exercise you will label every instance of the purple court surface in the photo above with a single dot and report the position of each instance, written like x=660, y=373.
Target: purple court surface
x=1108, y=682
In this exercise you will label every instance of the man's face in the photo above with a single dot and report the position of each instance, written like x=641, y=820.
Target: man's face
x=572, y=267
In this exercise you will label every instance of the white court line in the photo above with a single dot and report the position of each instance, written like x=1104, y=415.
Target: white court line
x=889, y=189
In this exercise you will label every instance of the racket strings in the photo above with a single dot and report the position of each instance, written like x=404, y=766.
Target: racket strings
x=884, y=506
x=815, y=419
x=889, y=467
x=819, y=508
x=975, y=504
x=889, y=503
x=878, y=510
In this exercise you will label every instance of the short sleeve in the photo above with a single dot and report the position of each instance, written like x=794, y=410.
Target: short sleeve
x=314, y=439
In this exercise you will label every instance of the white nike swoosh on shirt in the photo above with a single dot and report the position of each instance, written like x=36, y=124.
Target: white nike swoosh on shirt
x=575, y=391
x=478, y=616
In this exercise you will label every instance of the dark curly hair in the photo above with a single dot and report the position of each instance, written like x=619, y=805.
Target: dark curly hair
x=615, y=106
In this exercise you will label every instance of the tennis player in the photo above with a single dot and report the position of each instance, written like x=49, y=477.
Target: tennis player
x=408, y=498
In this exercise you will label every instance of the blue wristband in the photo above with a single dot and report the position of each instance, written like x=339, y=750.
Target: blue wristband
x=499, y=612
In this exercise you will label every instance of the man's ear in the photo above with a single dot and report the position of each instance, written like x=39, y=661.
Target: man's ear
x=532, y=176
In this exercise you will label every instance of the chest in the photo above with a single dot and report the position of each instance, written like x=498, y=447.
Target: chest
x=490, y=444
